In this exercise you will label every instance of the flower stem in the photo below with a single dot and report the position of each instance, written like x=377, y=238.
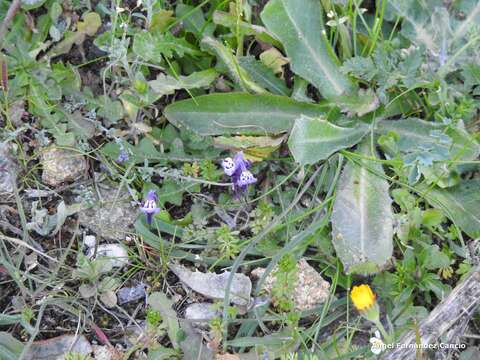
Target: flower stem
x=386, y=336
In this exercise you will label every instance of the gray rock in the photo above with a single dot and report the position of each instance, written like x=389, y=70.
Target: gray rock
x=201, y=313
x=310, y=289
x=60, y=165
x=112, y=255
x=8, y=171
x=57, y=348
x=214, y=285
x=128, y=294
x=110, y=218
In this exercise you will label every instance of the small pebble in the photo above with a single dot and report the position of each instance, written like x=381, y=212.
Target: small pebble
x=89, y=241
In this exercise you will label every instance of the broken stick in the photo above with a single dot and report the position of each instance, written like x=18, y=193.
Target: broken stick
x=446, y=323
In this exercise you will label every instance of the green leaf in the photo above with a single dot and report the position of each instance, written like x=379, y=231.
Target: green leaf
x=151, y=47
x=239, y=113
x=171, y=192
x=459, y=203
x=110, y=109
x=89, y=26
x=298, y=25
x=165, y=85
x=413, y=131
x=360, y=67
x=238, y=74
x=435, y=259
x=315, y=139
x=32, y=4
x=193, y=20
x=161, y=303
x=10, y=319
x=10, y=348
x=362, y=218
x=264, y=76
x=231, y=21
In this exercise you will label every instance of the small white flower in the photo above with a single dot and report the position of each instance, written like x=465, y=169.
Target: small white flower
x=331, y=14
x=377, y=343
x=362, y=10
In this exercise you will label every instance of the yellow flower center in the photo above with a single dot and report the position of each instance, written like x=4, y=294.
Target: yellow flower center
x=362, y=297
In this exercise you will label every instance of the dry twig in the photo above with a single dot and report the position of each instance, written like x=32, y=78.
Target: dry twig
x=446, y=323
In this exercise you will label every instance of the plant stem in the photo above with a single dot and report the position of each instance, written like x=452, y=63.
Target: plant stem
x=386, y=336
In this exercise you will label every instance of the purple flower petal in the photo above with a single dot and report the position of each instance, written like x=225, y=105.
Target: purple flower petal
x=229, y=166
x=122, y=157
x=240, y=161
x=237, y=169
x=246, y=178
x=150, y=207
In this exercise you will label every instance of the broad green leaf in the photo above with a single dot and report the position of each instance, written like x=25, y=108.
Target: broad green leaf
x=362, y=218
x=264, y=76
x=460, y=203
x=239, y=113
x=315, y=139
x=238, y=74
x=298, y=25
x=413, y=131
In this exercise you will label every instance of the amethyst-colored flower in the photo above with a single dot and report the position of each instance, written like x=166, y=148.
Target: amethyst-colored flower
x=237, y=168
x=122, y=156
x=149, y=207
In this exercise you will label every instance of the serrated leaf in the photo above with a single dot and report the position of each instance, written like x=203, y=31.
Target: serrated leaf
x=239, y=113
x=360, y=67
x=315, y=139
x=151, y=47
x=413, y=131
x=298, y=25
x=362, y=218
x=459, y=203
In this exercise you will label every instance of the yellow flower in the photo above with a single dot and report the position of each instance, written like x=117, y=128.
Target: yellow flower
x=362, y=297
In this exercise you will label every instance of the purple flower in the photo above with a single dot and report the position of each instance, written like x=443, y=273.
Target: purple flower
x=122, y=156
x=149, y=207
x=237, y=168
